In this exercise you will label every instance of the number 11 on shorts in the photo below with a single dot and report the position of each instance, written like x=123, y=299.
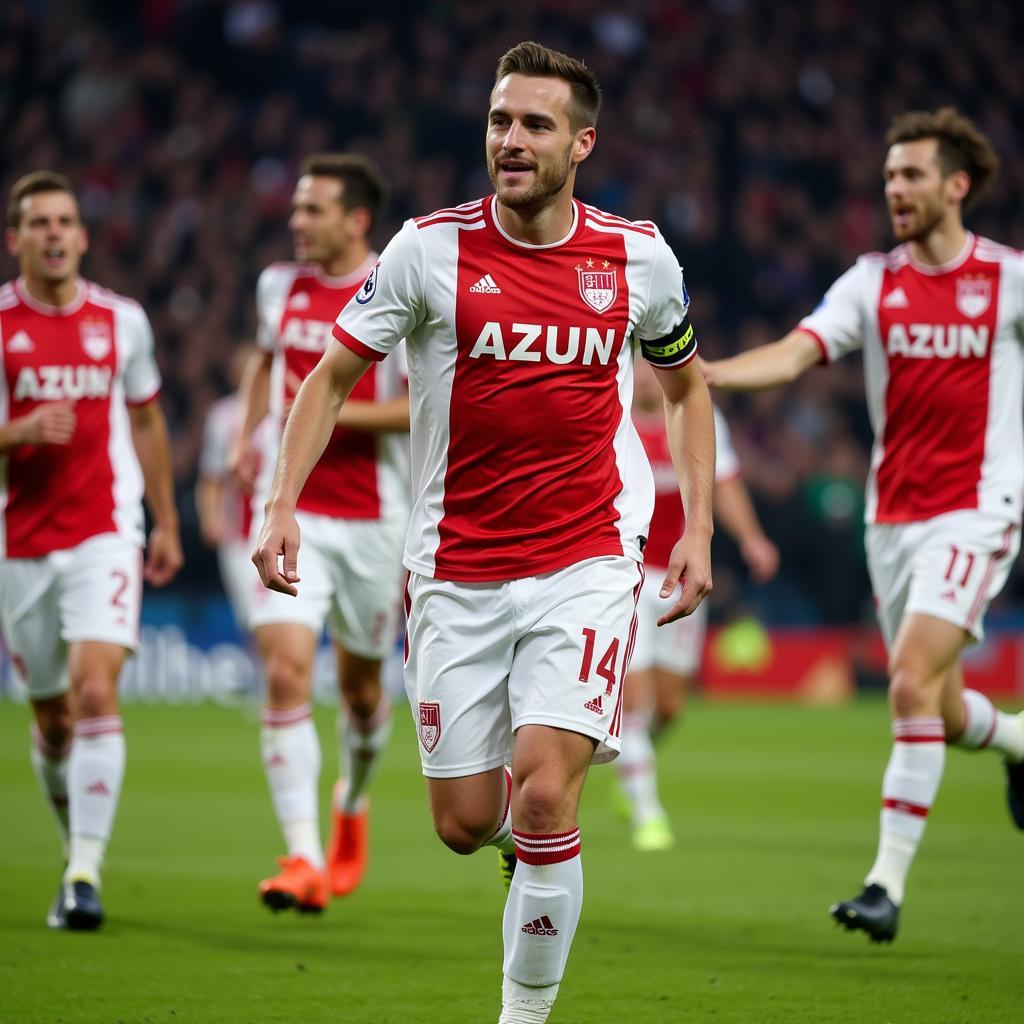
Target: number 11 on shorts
x=606, y=666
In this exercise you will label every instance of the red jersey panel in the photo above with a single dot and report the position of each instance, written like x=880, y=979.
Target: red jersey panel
x=96, y=352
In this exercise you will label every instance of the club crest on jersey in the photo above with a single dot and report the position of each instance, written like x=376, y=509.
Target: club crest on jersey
x=369, y=288
x=430, y=724
x=973, y=295
x=97, y=338
x=598, y=288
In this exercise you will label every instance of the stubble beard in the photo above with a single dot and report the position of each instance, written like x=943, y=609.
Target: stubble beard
x=547, y=184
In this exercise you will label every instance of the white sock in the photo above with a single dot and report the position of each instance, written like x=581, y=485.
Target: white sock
x=911, y=781
x=987, y=726
x=541, y=914
x=291, y=760
x=362, y=741
x=636, y=768
x=502, y=835
x=95, y=774
x=51, y=767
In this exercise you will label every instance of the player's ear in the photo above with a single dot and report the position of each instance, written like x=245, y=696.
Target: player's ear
x=360, y=218
x=85, y=239
x=11, y=241
x=583, y=144
x=958, y=184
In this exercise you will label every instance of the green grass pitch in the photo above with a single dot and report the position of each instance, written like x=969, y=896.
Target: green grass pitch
x=775, y=808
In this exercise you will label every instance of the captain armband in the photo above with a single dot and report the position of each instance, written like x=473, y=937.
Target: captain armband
x=674, y=349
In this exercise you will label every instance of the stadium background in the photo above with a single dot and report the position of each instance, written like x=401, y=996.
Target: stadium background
x=751, y=132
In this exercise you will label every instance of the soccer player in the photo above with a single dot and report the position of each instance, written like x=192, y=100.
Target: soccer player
x=939, y=320
x=522, y=312
x=665, y=661
x=81, y=436
x=225, y=510
x=353, y=514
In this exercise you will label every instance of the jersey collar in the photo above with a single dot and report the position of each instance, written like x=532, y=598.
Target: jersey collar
x=955, y=263
x=44, y=307
x=577, y=220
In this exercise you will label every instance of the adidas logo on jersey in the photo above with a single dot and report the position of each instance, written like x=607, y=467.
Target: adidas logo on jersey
x=595, y=705
x=896, y=299
x=485, y=286
x=21, y=342
x=540, y=926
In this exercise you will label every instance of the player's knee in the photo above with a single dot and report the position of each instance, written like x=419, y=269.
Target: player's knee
x=540, y=804
x=95, y=696
x=462, y=834
x=362, y=695
x=287, y=679
x=910, y=686
x=55, y=727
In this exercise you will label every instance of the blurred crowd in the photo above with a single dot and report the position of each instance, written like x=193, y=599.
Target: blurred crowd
x=752, y=132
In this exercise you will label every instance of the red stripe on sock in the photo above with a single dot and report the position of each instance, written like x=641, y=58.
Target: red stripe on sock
x=903, y=807
x=536, y=848
x=934, y=738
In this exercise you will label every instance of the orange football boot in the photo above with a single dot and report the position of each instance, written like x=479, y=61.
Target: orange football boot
x=348, y=851
x=298, y=885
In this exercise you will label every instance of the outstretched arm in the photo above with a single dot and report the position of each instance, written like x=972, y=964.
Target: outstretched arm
x=254, y=398
x=306, y=433
x=691, y=436
x=766, y=366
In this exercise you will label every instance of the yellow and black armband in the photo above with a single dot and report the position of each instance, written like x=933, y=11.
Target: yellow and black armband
x=674, y=349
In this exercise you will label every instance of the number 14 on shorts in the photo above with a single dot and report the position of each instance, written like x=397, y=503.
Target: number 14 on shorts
x=606, y=666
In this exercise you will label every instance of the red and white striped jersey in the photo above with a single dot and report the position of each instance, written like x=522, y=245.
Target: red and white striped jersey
x=223, y=420
x=525, y=458
x=360, y=475
x=668, y=521
x=97, y=352
x=944, y=373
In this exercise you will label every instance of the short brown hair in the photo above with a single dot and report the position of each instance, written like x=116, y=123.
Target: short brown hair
x=30, y=184
x=961, y=146
x=531, y=58
x=362, y=184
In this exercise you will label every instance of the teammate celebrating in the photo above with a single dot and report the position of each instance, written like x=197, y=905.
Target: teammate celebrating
x=521, y=312
x=939, y=319
x=665, y=661
x=353, y=515
x=78, y=420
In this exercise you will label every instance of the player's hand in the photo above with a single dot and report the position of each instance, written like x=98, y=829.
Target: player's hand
x=163, y=556
x=278, y=540
x=690, y=565
x=708, y=370
x=761, y=556
x=244, y=464
x=50, y=423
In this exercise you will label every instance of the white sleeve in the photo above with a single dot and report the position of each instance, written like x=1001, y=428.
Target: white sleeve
x=272, y=290
x=727, y=463
x=838, y=321
x=141, y=376
x=391, y=303
x=213, y=455
x=664, y=331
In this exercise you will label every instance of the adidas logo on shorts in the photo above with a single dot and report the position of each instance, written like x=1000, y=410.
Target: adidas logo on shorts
x=595, y=705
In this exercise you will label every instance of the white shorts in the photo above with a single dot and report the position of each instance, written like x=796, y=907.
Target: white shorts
x=485, y=659
x=240, y=578
x=950, y=567
x=350, y=574
x=89, y=592
x=677, y=647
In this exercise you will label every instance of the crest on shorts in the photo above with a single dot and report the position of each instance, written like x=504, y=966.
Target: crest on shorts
x=430, y=724
x=97, y=338
x=598, y=288
x=973, y=295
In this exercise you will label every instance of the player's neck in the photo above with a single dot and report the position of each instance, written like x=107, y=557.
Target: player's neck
x=347, y=262
x=941, y=245
x=538, y=226
x=51, y=293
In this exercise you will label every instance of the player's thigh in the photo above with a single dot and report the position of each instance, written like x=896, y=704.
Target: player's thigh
x=679, y=645
x=549, y=767
x=240, y=579
x=960, y=565
x=460, y=649
x=366, y=573
x=94, y=667
x=575, y=634
x=927, y=648
x=890, y=558
x=30, y=619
